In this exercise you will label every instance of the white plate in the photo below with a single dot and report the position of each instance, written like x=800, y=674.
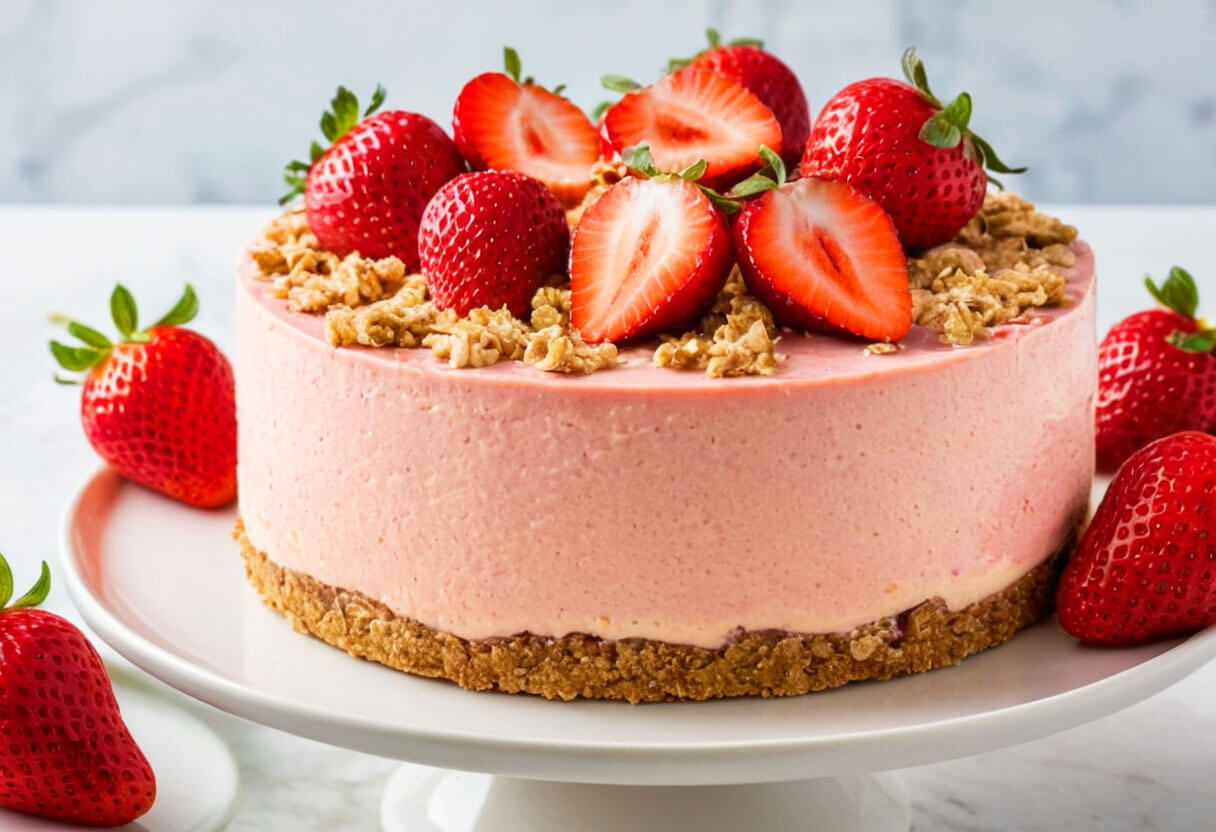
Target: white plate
x=196, y=777
x=164, y=585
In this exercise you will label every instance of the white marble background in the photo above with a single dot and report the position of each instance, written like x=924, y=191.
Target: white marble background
x=144, y=101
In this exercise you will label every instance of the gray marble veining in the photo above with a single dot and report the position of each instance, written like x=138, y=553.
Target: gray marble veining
x=138, y=101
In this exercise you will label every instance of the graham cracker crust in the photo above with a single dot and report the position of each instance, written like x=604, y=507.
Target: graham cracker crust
x=759, y=663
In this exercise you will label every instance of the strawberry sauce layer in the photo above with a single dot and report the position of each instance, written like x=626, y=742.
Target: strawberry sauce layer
x=647, y=502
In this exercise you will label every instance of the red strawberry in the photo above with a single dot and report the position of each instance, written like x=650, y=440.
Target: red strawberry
x=65, y=752
x=504, y=124
x=649, y=255
x=492, y=238
x=366, y=193
x=1156, y=373
x=1146, y=567
x=768, y=78
x=691, y=115
x=822, y=256
x=159, y=405
x=897, y=144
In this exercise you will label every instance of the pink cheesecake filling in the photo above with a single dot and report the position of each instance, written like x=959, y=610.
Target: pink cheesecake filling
x=646, y=502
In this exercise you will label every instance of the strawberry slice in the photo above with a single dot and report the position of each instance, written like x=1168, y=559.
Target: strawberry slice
x=649, y=255
x=821, y=256
x=503, y=124
x=695, y=114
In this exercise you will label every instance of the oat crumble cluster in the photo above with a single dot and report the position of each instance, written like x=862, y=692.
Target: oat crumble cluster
x=374, y=303
x=1006, y=262
x=736, y=337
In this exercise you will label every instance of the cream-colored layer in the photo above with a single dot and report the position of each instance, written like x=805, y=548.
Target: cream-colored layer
x=645, y=502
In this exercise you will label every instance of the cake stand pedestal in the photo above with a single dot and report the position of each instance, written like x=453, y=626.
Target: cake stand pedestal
x=163, y=585
x=421, y=799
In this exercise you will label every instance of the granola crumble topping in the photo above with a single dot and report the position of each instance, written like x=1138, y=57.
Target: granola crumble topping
x=736, y=337
x=313, y=280
x=1006, y=262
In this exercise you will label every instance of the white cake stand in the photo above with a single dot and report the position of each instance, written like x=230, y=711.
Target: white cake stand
x=163, y=585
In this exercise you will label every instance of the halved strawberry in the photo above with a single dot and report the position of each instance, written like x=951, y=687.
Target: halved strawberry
x=695, y=114
x=502, y=123
x=822, y=256
x=649, y=255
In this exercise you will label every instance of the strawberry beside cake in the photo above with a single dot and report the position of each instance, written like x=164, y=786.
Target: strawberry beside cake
x=647, y=438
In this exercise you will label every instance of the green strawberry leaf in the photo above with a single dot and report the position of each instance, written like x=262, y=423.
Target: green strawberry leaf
x=951, y=124
x=378, y=97
x=755, y=184
x=38, y=591
x=598, y=112
x=123, y=311
x=619, y=83
x=694, y=171
x=75, y=359
x=774, y=162
x=958, y=111
x=914, y=71
x=6, y=582
x=335, y=123
x=713, y=36
x=511, y=63
x=641, y=160
x=559, y=89
x=183, y=312
x=1178, y=292
x=1202, y=342
x=989, y=159
x=939, y=132
x=345, y=110
x=724, y=203
x=89, y=336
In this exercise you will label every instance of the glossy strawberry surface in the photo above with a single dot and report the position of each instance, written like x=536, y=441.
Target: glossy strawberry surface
x=163, y=413
x=1145, y=568
x=367, y=192
x=492, y=238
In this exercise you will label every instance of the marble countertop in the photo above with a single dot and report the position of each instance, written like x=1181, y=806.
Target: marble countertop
x=1146, y=768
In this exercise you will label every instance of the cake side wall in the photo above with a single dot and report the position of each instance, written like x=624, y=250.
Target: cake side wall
x=493, y=510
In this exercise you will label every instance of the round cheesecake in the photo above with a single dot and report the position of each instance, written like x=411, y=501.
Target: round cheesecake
x=647, y=534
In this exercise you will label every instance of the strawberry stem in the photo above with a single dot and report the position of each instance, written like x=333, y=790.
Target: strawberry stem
x=1179, y=293
x=951, y=123
x=36, y=595
x=95, y=346
x=714, y=38
x=335, y=123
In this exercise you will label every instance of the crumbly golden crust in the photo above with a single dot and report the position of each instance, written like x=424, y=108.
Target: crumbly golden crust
x=765, y=663
x=1008, y=260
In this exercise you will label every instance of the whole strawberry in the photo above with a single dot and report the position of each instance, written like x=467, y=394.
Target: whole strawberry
x=366, y=192
x=158, y=405
x=1146, y=567
x=1156, y=373
x=898, y=145
x=767, y=77
x=492, y=238
x=66, y=753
